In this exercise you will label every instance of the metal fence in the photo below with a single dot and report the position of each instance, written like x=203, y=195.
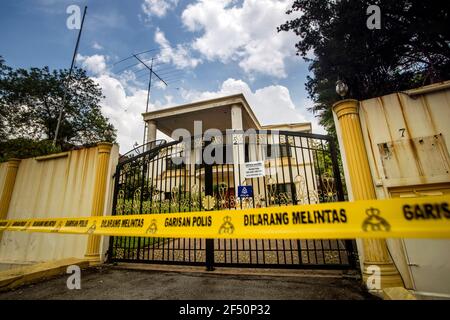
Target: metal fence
x=299, y=168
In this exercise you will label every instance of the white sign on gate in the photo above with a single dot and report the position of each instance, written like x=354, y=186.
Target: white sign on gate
x=254, y=169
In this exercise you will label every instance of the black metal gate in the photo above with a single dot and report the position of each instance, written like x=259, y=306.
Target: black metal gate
x=300, y=168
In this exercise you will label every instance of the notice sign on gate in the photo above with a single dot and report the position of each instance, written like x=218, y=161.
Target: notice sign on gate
x=254, y=169
x=245, y=191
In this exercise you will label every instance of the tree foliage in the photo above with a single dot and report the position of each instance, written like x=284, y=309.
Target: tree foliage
x=25, y=148
x=30, y=102
x=3, y=107
x=411, y=48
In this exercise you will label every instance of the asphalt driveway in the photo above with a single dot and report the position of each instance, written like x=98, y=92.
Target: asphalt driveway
x=114, y=283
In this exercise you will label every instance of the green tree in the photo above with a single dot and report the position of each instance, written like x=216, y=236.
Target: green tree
x=25, y=148
x=33, y=98
x=411, y=48
x=4, y=69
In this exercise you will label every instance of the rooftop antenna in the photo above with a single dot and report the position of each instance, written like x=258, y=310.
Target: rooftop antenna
x=171, y=75
x=152, y=72
x=61, y=109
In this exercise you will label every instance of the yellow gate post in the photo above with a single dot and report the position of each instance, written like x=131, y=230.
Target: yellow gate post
x=8, y=186
x=375, y=250
x=98, y=201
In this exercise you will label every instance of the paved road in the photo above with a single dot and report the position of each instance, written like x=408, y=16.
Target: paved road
x=112, y=283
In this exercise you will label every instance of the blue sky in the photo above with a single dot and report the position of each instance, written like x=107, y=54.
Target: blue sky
x=206, y=49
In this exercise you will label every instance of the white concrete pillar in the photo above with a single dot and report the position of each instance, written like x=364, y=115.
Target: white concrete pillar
x=151, y=131
x=238, y=146
x=236, y=117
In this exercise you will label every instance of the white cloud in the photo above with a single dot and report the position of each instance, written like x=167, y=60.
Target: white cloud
x=123, y=105
x=307, y=103
x=246, y=33
x=95, y=63
x=160, y=85
x=158, y=8
x=96, y=46
x=124, y=102
x=179, y=56
x=123, y=110
x=271, y=104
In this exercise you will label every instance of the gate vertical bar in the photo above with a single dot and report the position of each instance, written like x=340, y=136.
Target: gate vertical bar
x=340, y=197
x=209, y=192
x=336, y=171
x=114, y=207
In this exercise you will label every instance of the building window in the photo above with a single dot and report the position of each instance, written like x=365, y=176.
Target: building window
x=247, y=152
x=288, y=192
x=278, y=151
x=288, y=188
x=226, y=151
x=170, y=165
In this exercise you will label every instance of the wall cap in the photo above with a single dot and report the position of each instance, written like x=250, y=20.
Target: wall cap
x=347, y=106
x=13, y=163
x=104, y=147
x=52, y=156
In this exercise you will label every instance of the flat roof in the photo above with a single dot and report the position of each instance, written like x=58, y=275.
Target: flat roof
x=215, y=113
x=290, y=126
x=203, y=105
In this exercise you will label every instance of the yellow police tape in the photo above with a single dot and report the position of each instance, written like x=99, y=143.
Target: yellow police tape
x=427, y=217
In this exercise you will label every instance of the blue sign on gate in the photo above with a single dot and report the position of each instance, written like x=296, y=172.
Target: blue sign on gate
x=245, y=191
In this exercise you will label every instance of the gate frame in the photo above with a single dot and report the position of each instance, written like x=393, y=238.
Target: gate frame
x=350, y=247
